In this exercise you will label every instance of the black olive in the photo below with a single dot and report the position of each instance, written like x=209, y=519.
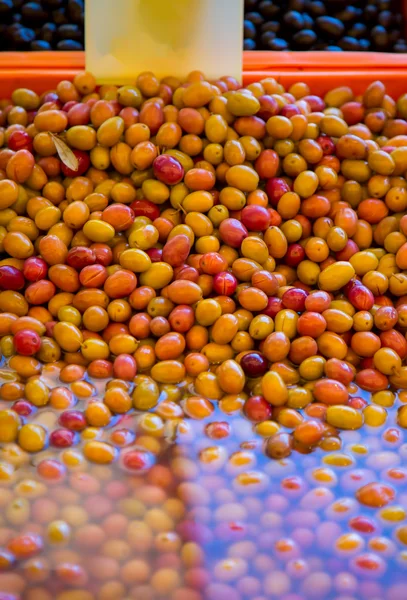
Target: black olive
x=59, y=17
x=278, y=44
x=349, y=43
x=348, y=14
x=23, y=36
x=308, y=21
x=249, y=30
x=385, y=18
x=250, y=4
x=317, y=8
x=5, y=7
x=69, y=32
x=364, y=44
x=394, y=36
x=334, y=49
x=385, y=4
x=69, y=45
x=330, y=27
x=249, y=45
x=48, y=32
x=52, y=4
x=357, y=30
x=271, y=26
x=269, y=9
x=370, y=13
x=12, y=30
x=304, y=38
x=38, y=45
x=266, y=37
x=294, y=20
x=255, y=18
x=33, y=12
x=379, y=36
x=298, y=5
x=75, y=11
x=401, y=46
x=17, y=18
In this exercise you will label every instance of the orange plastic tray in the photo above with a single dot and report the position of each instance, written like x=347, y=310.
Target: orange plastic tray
x=255, y=61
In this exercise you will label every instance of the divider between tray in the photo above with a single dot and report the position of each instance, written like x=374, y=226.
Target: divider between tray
x=252, y=61
x=320, y=81
x=42, y=60
x=330, y=61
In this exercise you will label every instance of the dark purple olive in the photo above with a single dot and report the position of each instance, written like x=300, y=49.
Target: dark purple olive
x=330, y=27
x=394, y=36
x=6, y=6
x=75, y=11
x=255, y=18
x=48, y=32
x=273, y=26
x=304, y=38
x=269, y=9
x=40, y=45
x=278, y=44
x=298, y=5
x=308, y=21
x=380, y=37
x=385, y=4
x=385, y=18
x=294, y=20
x=32, y=12
x=400, y=47
x=69, y=32
x=254, y=364
x=349, y=43
x=52, y=4
x=364, y=45
x=23, y=36
x=59, y=17
x=249, y=30
x=370, y=13
x=249, y=44
x=350, y=13
x=69, y=45
x=357, y=30
x=250, y=4
x=267, y=37
x=317, y=8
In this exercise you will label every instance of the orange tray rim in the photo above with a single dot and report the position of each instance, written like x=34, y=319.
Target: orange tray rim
x=252, y=60
x=319, y=80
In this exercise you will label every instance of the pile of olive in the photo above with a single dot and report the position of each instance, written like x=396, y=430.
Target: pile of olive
x=337, y=25
x=41, y=25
